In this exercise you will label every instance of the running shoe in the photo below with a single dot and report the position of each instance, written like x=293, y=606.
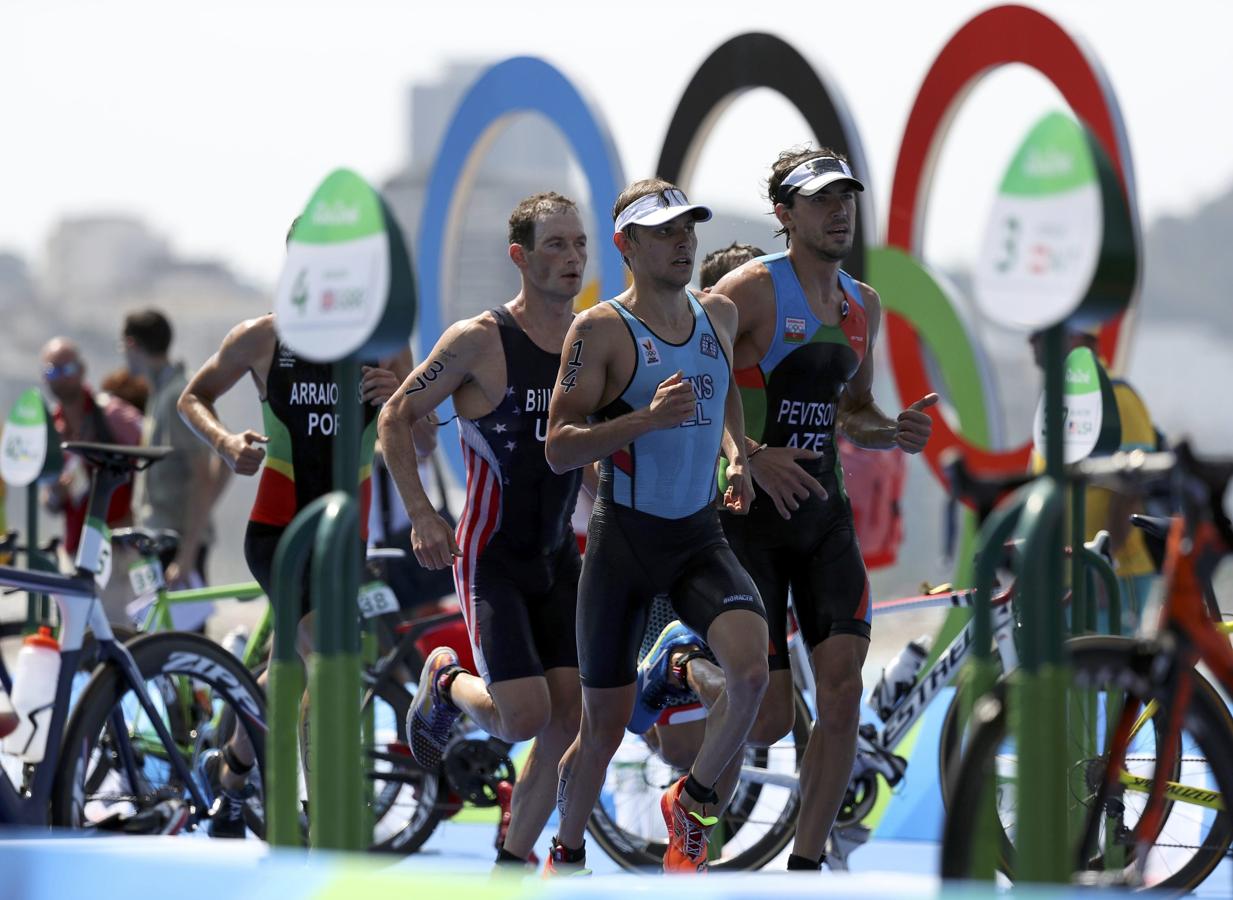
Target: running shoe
x=656, y=686
x=558, y=865
x=432, y=714
x=688, y=834
x=505, y=803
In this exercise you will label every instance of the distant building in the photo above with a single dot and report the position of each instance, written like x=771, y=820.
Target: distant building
x=93, y=258
x=528, y=155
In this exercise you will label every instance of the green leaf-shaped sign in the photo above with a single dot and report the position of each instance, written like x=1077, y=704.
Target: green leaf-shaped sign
x=346, y=286
x=1060, y=243
x=29, y=447
x=1090, y=421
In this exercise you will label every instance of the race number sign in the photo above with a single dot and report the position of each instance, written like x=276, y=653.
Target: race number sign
x=1090, y=423
x=29, y=447
x=1059, y=244
x=346, y=286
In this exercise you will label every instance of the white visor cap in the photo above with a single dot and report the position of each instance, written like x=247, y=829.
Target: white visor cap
x=814, y=174
x=658, y=208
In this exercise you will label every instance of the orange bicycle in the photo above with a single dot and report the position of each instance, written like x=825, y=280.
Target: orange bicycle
x=1150, y=741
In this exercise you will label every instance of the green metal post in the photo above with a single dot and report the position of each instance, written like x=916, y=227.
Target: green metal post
x=982, y=672
x=1082, y=604
x=1094, y=562
x=368, y=738
x=286, y=680
x=1041, y=737
x=334, y=689
x=32, y=543
x=334, y=683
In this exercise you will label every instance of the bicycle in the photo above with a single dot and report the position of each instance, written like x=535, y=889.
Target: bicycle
x=622, y=826
x=1150, y=738
x=404, y=801
x=761, y=819
x=125, y=759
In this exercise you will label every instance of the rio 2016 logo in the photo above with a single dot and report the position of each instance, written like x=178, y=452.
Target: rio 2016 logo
x=919, y=312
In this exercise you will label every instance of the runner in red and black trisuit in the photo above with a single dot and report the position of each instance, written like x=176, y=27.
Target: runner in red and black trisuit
x=298, y=400
x=515, y=559
x=804, y=362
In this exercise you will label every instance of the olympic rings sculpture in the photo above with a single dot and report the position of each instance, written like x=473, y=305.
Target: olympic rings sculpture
x=919, y=314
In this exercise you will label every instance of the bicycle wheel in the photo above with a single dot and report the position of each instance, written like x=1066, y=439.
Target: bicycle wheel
x=950, y=742
x=757, y=825
x=190, y=682
x=404, y=797
x=1194, y=837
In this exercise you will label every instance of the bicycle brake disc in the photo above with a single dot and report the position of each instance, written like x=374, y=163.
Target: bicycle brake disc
x=473, y=769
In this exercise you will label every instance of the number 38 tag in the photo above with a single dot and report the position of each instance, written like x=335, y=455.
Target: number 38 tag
x=145, y=577
x=377, y=599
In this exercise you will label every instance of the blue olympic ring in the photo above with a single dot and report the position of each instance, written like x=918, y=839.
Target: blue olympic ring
x=519, y=85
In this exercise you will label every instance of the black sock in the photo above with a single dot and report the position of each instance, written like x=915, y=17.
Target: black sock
x=445, y=680
x=699, y=791
x=504, y=857
x=804, y=863
x=564, y=854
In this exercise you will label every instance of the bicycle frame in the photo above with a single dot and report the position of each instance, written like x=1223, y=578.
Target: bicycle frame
x=1185, y=623
x=80, y=608
x=948, y=663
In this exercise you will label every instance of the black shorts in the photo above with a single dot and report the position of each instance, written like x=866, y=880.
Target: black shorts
x=633, y=556
x=260, y=542
x=521, y=608
x=816, y=554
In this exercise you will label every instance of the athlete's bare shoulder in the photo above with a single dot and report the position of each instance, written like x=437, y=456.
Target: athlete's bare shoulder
x=747, y=285
x=469, y=340
x=873, y=303
x=721, y=310
x=599, y=320
x=250, y=345
x=252, y=337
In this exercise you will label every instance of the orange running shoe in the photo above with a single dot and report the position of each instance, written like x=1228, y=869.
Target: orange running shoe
x=688, y=834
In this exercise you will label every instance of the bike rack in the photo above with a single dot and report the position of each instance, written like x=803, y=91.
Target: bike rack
x=1035, y=514
x=286, y=682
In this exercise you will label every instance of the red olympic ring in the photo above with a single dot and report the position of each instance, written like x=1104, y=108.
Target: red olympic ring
x=1000, y=36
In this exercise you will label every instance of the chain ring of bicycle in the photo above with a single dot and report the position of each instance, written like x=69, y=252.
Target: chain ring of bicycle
x=856, y=805
x=473, y=769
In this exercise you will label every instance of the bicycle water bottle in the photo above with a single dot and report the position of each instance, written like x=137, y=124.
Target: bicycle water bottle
x=236, y=641
x=8, y=715
x=899, y=676
x=34, y=693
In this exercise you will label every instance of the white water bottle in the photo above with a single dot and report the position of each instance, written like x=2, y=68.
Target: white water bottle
x=34, y=692
x=899, y=676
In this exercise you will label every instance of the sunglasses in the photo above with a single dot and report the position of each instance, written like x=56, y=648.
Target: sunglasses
x=64, y=370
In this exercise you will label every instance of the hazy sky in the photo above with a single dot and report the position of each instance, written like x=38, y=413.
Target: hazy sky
x=214, y=121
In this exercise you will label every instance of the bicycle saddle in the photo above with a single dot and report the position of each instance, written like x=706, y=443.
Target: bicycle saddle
x=982, y=492
x=147, y=541
x=1153, y=526
x=117, y=456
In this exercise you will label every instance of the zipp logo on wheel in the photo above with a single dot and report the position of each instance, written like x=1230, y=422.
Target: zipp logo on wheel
x=182, y=662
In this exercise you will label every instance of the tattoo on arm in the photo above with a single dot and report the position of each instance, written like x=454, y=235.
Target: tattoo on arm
x=427, y=377
x=574, y=363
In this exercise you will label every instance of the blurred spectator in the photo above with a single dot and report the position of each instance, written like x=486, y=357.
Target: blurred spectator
x=180, y=491
x=131, y=388
x=78, y=416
